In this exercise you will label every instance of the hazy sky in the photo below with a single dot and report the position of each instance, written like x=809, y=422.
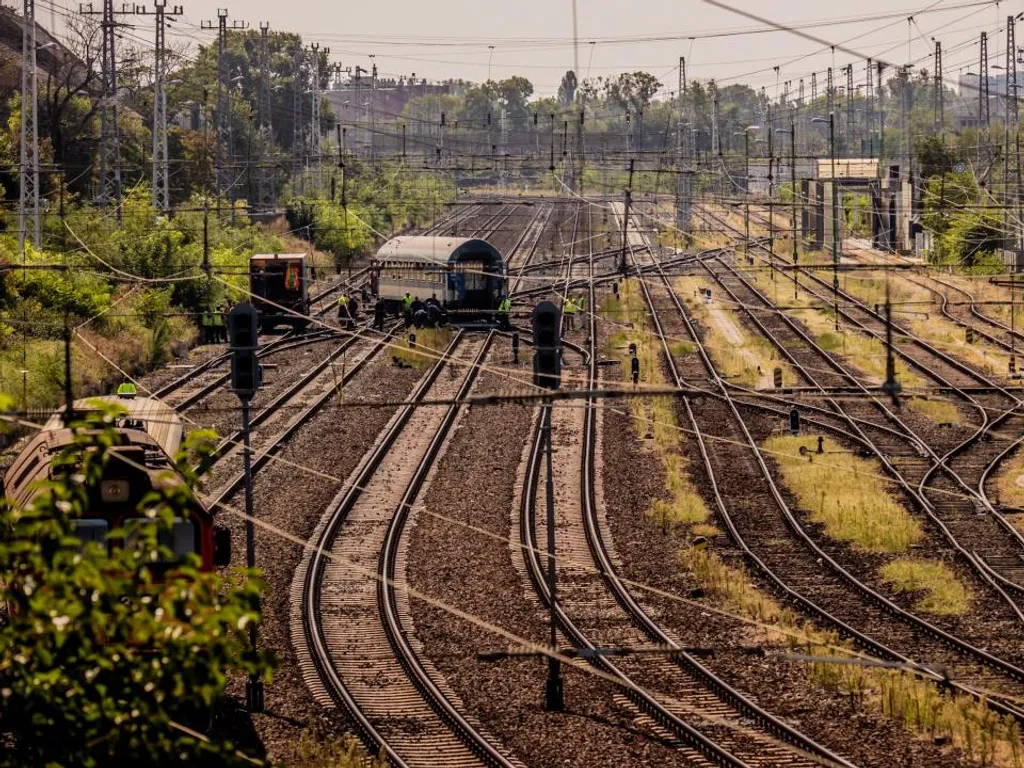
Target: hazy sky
x=450, y=38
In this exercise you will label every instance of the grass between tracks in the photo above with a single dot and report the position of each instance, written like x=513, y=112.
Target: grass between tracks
x=854, y=505
x=655, y=418
x=1009, y=483
x=944, y=595
x=917, y=309
x=430, y=344
x=917, y=704
x=867, y=354
x=320, y=751
x=744, y=358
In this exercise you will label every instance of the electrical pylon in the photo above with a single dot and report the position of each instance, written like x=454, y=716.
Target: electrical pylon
x=28, y=208
x=161, y=162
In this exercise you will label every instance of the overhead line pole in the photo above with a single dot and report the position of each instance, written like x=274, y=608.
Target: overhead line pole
x=161, y=163
x=28, y=208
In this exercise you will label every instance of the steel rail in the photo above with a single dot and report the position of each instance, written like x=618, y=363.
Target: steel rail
x=948, y=639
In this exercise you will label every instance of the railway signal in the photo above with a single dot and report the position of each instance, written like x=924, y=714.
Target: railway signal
x=243, y=334
x=777, y=377
x=969, y=335
x=794, y=421
x=547, y=346
x=246, y=378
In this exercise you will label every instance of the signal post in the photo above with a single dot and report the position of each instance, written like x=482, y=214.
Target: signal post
x=547, y=374
x=246, y=379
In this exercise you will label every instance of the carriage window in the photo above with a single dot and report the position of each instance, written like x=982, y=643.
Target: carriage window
x=181, y=539
x=92, y=531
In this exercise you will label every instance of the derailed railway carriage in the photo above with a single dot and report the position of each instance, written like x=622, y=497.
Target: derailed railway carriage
x=467, y=275
x=148, y=434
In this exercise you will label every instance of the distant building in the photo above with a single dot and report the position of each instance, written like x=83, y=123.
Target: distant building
x=358, y=97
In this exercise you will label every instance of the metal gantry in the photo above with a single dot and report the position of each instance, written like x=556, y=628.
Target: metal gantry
x=266, y=131
x=223, y=151
x=161, y=163
x=109, y=189
x=939, y=97
x=28, y=208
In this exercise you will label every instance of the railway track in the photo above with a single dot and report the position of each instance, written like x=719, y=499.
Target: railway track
x=803, y=582
x=953, y=484
x=352, y=620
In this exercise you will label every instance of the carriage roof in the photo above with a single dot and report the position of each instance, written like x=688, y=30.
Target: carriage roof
x=438, y=250
x=260, y=257
x=158, y=419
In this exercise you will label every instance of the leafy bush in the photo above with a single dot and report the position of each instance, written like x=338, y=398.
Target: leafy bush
x=100, y=662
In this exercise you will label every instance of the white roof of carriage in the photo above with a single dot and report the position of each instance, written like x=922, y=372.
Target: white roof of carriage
x=439, y=250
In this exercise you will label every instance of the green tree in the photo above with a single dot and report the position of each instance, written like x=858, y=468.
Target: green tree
x=633, y=90
x=567, y=89
x=102, y=662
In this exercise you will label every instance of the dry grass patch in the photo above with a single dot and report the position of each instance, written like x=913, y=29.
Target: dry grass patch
x=936, y=329
x=916, y=704
x=744, y=358
x=1010, y=481
x=430, y=345
x=654, y=417
x=845, y=493
x=942, y=592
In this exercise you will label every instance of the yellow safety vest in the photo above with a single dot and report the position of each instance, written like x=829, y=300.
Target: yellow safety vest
x=569, y=307
x=126, y=390
x=505, y=306
x=407, y=302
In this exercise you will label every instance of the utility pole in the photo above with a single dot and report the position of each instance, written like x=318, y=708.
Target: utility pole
x=298, y=85
x=161, y=162
x=983, y=89
x=939, y=96
x=800, y=98
x=684, y=191
x=266, y=129
x=223, y=161
x=28, y=208
x=792, y=177
x=869, y=93
x=314, y=120
x=628, y=202
x=373, y=113
x=581, y=149
x=850, y=115
x=830, y=92
x=1012, y=129
x=814, y=86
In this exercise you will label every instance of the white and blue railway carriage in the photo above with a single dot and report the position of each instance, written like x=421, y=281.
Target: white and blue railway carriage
x=468, y=276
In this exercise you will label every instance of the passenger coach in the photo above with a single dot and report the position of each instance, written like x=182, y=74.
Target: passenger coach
x=147, y=436
x=468, y=276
